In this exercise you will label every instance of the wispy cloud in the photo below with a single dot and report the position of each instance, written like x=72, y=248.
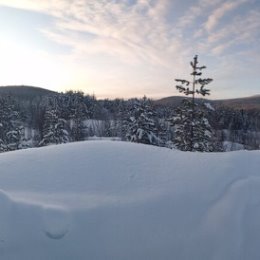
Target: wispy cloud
x=139, y=34
x=117, y=28
x=196, y=10
x=133, y=33
x=240, y=31
x=221, y=11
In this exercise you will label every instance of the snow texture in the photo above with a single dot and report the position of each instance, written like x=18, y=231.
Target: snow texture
x=209, y=106
x=115, y=200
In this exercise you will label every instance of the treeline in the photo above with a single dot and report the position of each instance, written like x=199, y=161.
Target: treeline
x=72, y=116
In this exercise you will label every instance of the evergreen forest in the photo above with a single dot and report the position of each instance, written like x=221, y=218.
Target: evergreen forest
x=34, y=117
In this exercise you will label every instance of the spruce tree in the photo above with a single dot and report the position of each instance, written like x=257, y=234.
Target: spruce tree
x=10, y=128
x=192, y=129
x=77, y=117
x=55, y=129
x=15, y=138
x=140, y=125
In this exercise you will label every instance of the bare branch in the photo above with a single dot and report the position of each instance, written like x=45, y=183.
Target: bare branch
x=183, y=81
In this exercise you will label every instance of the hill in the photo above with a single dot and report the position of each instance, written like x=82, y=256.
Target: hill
x=25, y=92
x=113, y=200
x=240, y=103
x=246, y=103
x=173, y=101
x=30, y=92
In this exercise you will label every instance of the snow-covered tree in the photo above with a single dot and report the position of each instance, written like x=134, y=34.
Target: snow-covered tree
x=5, y=122
x=78, y=129
x=55, y=129
x=73, y=109
x=140, y=125
x=10, y=134
x=77, y=117
x=3, y=146
x=15, y=138
x=192, y=129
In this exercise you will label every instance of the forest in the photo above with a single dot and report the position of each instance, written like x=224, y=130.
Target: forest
x=34, y=117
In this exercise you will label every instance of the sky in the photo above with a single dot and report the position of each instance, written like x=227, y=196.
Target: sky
x=130, y=48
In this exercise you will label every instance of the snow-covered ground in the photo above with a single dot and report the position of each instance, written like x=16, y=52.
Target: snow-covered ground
x=104, y=200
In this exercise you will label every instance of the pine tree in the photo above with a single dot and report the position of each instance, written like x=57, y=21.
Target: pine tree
x=140, y=125
x=192, y=129
x=15, y=138
x=55, y=129
x=3, y=146
x=74, y=110
x=10, y=128
x=77, y=117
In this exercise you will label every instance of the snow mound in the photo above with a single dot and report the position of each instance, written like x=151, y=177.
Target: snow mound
x=231, y=146
x=115, y=200
x=23, y=226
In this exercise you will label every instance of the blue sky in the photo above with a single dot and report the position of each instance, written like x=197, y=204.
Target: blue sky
x=130, y=48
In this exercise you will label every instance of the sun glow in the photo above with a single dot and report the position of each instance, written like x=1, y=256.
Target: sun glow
x=20, y=65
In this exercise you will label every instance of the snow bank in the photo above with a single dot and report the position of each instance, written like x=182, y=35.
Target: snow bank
x=231, y=146
x=114, y=200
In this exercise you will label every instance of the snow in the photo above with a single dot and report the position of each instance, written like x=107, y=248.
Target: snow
x=113, y=200
x=98, y=138
x=231, y=146
x=209, y=106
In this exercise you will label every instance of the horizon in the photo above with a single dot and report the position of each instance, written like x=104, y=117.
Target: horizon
x=100, y=48
x=133, y=97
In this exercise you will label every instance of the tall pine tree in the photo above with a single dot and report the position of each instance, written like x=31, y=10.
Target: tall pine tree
x=192, y=129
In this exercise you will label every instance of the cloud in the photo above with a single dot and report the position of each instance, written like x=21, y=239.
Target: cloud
x=218, y=13
x=242, y=30
x=29, y=4
x=132, y=33
x=195, y=11
x=123, y=40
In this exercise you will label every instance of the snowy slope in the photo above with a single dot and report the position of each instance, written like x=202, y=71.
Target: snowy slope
x=104, y=200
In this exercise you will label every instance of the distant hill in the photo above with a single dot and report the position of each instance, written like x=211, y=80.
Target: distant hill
x=236, y=103
x=170, y=101
x=240, y=103
x=29, y=92
x=25, y=92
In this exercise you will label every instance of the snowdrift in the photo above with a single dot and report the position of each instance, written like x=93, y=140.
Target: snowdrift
x=103, y=200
